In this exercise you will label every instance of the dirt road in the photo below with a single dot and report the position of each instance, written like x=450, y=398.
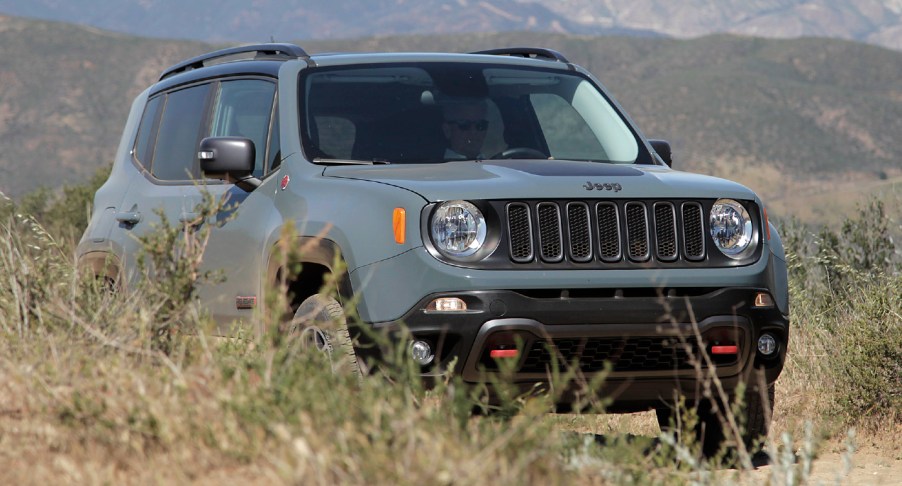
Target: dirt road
x=869, y=467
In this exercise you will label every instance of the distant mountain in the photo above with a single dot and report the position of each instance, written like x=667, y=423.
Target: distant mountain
x=873, y=21
x=770, y=113
x=262, y=20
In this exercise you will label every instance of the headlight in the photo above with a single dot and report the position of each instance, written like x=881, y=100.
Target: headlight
x=731, y=229
x=458, y=228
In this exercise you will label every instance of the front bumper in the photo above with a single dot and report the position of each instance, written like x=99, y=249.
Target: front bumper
x=388, y=289
x=652, y=341
x=651, y=310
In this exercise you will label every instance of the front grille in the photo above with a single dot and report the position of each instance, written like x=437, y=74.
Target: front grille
x=665, y=232
x=637, y=232
x=620, y=233
x=519, y=227
x=654, y=353
x=693, y=235
x=579, y=230
x=550, y=232
x=608, y=232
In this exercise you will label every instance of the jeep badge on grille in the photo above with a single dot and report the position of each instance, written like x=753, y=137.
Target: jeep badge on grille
x=603, y=186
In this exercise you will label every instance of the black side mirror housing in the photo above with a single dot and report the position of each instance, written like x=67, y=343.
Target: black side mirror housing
x=662, y=147
x=229, y=158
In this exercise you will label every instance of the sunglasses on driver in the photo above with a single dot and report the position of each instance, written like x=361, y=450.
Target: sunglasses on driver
x=478, y=125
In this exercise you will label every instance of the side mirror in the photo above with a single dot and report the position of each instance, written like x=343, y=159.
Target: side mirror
x=662, y=147
x=229, y=158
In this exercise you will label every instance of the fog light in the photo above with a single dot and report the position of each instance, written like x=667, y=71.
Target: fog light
x=421, y=352
x=447, y=304
x=767, y=345
x=763, y=299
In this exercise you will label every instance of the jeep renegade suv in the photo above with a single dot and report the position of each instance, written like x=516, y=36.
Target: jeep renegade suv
x=500, y=205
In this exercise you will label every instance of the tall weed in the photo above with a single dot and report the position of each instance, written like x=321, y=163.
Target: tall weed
x=131, y=386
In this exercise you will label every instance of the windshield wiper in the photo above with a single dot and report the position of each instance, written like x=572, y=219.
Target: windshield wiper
x=322, y=161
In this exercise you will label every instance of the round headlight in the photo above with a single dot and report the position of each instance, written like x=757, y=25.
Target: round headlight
x=731, y=229
x=458, y=228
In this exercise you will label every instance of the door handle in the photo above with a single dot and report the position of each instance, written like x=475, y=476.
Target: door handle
x=128, y=217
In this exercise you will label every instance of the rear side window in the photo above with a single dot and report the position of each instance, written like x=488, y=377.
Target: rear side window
x=244, y=109
x=175, y=155
x=147, y=132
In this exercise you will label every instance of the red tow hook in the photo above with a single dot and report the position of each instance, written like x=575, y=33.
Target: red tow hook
x=725, y=349
x=504, y=353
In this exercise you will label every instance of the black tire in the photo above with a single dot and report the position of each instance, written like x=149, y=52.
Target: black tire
x=758, y=412
x=319, y=323
x=709, y=432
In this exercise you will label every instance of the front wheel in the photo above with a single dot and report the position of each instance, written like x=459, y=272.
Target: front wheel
x=320, y=324
x=754, y=422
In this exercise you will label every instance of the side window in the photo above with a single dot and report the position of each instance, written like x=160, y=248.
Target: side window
x=175, y=153
x=147, y=131
x=244, y=109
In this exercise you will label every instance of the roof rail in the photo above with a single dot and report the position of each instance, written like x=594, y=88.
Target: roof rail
x=527, y=52
x=284, y=51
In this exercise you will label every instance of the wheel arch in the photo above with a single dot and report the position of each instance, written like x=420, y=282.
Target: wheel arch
x=318, y=258
x=102, y=264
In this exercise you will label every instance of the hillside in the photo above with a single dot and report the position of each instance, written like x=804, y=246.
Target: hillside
x=64, y=93
x=873, y=21
x=776, y=114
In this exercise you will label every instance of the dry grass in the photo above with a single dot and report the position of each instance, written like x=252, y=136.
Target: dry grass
x=86, y=397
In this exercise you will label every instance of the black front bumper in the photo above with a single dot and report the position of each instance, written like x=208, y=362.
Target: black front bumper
x=650, y=340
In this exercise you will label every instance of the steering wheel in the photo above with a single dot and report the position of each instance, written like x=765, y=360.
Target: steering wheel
x=520, y=153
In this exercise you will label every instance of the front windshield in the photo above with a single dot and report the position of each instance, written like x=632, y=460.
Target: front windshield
x=441, y=112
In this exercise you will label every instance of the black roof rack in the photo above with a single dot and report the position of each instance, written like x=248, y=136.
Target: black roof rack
x=527, y=52
x=283, y=51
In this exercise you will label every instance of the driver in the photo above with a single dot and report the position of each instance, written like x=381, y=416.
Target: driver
x=465, y=127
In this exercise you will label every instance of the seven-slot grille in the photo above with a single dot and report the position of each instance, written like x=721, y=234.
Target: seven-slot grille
x=635, y=231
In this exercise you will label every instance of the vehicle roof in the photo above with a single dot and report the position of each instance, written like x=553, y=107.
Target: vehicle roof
x=248, y=67
x=270, y=66
x=347, y=58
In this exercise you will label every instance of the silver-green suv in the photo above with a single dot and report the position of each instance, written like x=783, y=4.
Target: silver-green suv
x=500, y=205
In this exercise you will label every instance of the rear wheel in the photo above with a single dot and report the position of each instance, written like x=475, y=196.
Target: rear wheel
x=320, y=324
x=709, y=431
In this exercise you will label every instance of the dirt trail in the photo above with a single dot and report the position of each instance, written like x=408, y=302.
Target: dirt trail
x=869, y=467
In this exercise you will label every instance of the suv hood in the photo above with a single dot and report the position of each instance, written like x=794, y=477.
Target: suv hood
x=541, y=179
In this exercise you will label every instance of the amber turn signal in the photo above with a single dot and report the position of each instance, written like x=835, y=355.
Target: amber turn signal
x=763, y=299
x=399, y=224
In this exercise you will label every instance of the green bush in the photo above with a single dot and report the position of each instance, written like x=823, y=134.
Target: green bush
x=64, y=214
x=868, y=344
x=846, y=293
